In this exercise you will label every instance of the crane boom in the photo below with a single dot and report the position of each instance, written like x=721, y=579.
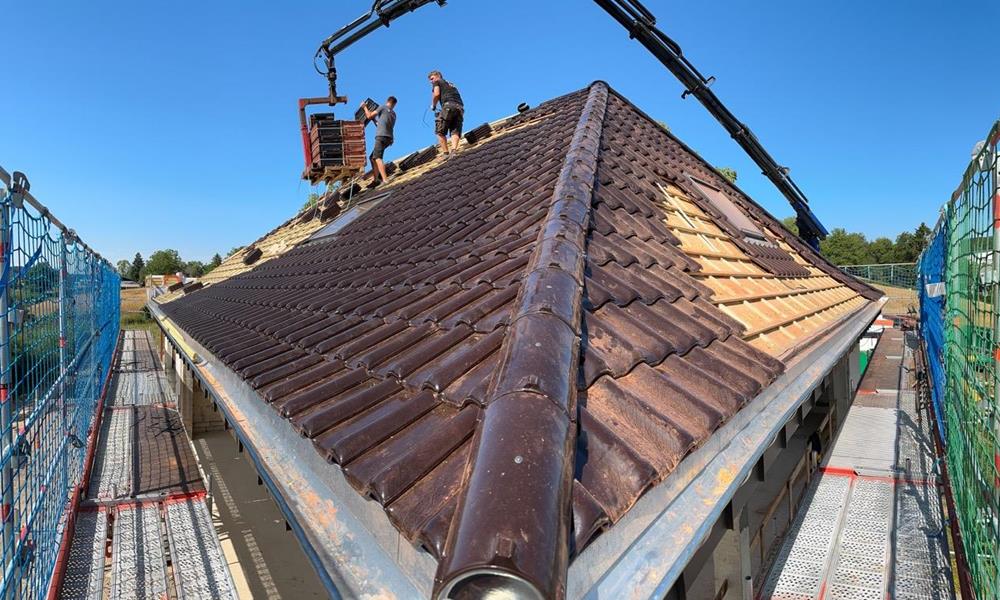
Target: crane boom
x=641, y=25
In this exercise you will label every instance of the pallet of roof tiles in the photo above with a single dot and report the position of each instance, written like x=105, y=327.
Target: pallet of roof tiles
x=339, y=150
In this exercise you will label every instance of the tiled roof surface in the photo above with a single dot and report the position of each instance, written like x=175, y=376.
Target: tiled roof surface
x=550, y=295
x=308, y=221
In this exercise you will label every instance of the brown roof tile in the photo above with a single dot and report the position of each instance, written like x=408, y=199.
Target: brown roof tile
x=519, y=342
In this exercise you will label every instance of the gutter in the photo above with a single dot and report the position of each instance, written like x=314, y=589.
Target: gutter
x=352, y=546
x=647, y=551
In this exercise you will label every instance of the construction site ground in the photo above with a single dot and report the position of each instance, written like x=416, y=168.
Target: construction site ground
x=872, y=525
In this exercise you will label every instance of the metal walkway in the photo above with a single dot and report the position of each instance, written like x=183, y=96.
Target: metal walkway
x=871, y=524
x=144, y=531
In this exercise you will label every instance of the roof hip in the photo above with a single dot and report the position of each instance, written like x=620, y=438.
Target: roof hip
x=514, y=535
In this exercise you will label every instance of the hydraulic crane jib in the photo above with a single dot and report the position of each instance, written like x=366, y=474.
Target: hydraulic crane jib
x=641, y=25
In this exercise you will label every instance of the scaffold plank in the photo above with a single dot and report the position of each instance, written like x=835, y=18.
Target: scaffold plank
x=863, y=548
x=113, y=464
x=887, y=538
x=801, y=564
x=200, y=571
x=85, y=569
x=139, y=568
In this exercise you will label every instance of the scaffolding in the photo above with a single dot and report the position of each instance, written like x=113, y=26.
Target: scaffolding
x=59, y=316
x=960, y=308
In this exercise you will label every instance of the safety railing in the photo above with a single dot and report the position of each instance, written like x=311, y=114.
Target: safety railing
x=59, y=305
x=960, y=293
x=898, y=281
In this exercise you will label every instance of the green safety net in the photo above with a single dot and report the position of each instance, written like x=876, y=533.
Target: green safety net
x=971, y=355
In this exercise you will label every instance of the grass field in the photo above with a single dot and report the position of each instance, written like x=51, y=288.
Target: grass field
x=134, y=315
x=902, y=301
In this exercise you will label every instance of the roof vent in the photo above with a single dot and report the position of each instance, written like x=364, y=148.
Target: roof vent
x=479, y=133
x=252, y=255
x=732, y=213
x=346, y=216
x=523, y=107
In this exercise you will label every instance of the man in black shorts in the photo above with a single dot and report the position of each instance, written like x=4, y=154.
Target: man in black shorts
x=449, y=120
x=385, y=121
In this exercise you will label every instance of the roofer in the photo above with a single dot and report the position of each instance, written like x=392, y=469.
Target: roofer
x=449, y=120
x=385, y=120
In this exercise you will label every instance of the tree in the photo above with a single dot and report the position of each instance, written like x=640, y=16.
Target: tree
x=882, y=250
x=791, y=225
x=923, y=235
x=135, y=273
x=312, y=200
x=39, y=282
x=164, y=262
x=124, y=268
x=842, y=248
x=233, y=251
x=216, y=261
x=728, y=172
x=194, y=268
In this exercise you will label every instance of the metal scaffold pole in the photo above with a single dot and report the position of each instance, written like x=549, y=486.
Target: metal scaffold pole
x=62, y=333
x=6, y=414
x=995, y=285
x=66, y=426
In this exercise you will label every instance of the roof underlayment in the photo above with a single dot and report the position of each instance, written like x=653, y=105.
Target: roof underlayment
x=519, y=342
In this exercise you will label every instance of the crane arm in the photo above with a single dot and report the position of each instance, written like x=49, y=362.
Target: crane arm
x=641, y=25
x=382, y=13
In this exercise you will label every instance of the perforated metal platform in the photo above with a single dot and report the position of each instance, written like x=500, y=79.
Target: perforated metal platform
x=200, y=570
x=85, y=569
x=163, y=543
x=871, y=525
x=800, y=566
x=112, y=477
x=859, y=569
x=139, y=566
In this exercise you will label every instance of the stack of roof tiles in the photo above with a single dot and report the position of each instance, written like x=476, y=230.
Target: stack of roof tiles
x=516, y=345
x=336, y=143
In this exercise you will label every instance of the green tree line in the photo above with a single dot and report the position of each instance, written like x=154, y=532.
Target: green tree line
x=166, y=262
x=845, y=248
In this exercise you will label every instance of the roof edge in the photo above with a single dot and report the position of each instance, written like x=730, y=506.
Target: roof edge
x=354, y=551
x=647, y=550
x=535, y=384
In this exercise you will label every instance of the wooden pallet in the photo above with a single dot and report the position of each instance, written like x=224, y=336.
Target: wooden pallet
x=332, y=174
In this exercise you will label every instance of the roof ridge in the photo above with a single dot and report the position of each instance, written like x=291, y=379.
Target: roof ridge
x=535, y=384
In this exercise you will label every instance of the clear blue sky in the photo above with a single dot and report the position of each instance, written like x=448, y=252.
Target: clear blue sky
x=173, y=124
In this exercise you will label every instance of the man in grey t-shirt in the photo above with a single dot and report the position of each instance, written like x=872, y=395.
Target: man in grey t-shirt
x=385, y=120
